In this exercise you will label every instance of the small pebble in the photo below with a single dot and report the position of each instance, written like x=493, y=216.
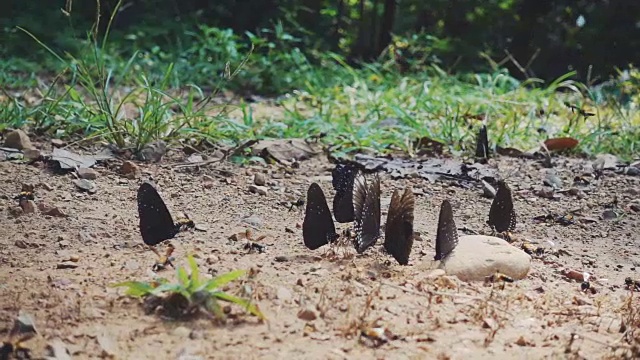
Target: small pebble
x=130, y=170
x=17, y=139
x=87, y=173
x=259, y=179
x=307, y=315
x=67, y=265
x=21, y=244
x=28, y=206
x=51, y=210
x=58, y=143
x=181, y=332
x=260, y=190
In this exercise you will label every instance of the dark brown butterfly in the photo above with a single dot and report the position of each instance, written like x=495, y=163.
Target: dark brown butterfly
x=398, y=236
x=342, y=180
x=366, y=209
x=502, y=216
x=447, y=237
x=482, y=144
x=156, y=223
x=317, y=228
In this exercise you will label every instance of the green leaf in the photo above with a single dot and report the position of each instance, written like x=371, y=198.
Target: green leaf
x=195, y=274
x=136, y=288
x=183, y=277
x=213, y=307
x=247, y=304
x=167, y=288
x=222, y=280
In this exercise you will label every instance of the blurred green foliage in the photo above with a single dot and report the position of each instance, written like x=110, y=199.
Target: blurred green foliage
x=533, y=38
x=155, y=70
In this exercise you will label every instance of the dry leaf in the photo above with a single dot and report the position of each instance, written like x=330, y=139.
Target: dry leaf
x=562, y=143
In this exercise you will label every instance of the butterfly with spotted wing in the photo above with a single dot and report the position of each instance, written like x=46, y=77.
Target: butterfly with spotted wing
x=447, y=237
x=398, y=236
x=366, y=209
x=318, y=228
x=156, y=223
x=343, y=176
x=502, y=216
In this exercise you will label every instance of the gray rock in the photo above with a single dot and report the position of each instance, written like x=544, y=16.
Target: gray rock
x=478, y=256
x=552, y=179
x=85, y=185
x=605, y=161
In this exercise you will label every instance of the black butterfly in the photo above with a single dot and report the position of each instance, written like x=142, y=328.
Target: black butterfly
x=366, y=209
x=482, y=144
x=343, y=176
x=317, y=228
x=447, y=238
x=156, y=223
x=502, y=216
x=398, y=237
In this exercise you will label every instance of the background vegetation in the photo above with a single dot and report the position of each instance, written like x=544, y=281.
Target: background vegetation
x=434, y=67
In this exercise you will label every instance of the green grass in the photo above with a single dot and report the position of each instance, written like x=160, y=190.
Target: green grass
x=152, y=94
x=196, y=293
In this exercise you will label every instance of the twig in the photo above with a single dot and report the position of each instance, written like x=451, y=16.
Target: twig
x=195, y=164
x=600, y=342
x=430, y=292
x=228, y=154
x=516, y=63
x=531, y=60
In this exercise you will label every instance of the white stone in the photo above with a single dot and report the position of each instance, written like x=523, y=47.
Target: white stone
x=478, y=256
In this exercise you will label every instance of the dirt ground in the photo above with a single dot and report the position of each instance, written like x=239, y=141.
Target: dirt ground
x=543, y=316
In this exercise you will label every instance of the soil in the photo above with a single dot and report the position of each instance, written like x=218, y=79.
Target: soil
x=426, y=315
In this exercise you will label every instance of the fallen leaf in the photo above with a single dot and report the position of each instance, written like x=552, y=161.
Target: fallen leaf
x=24, y=324
x=284, y=150
x=431, y=169
x=489, y=323
x=58, y=350
x=69, y=160
x=562, y=143
x=109, y=347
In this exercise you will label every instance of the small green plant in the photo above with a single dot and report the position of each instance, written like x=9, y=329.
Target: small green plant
x=191, y=293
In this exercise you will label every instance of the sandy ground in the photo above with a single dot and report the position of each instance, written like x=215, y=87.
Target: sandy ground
x=543, y=316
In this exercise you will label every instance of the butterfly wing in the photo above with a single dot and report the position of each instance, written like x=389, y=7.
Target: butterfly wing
x=156, y=223
x=482, y=144
x=398, y=237
x=317, y=228
x=502, y=216
x=447, y=238
x=366, y=206
x=343, y=176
